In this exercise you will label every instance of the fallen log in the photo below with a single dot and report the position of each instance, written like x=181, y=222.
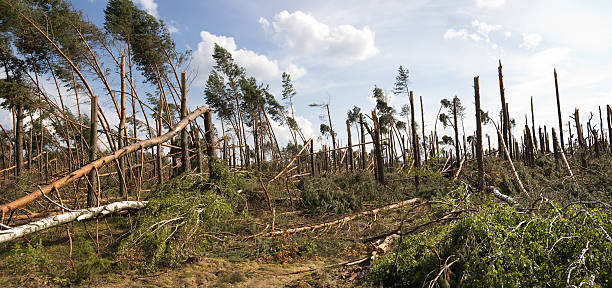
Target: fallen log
x=338, y=221
x=75, y=175
x=78, y=215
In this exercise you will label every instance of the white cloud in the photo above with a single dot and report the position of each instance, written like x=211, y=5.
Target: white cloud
x=452, y=33
x=507, y=34
x=490, y=3
x=172, y=29
x=307, y=36
x=283, y=135
x=479, y=31
x=148, y=5
x=484, y=28
x=257, y=65
x=531, y=40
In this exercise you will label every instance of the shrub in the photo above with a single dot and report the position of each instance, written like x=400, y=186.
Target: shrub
x=170, y=228
x=499, y=247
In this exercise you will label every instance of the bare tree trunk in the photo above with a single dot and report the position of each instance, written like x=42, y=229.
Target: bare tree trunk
x=160, y=170
x=332, y=136
x=19, y=139
x=122, y=132
x=350, y=147
x=377, y=150
x=363, y=146
x=184, y=137
x=479, y=156
x=92, y=187
x=209, y=137
x=535, y=142
x=456, y=127
x=559, y=112
x=312, y=159
x=505, y=117
x=423, y=131
x=415, y=143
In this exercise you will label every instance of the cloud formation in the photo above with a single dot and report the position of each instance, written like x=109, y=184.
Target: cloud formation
x=306, y=36
x=490, y=3
x=531, y=40
x=257, y=65
x=148, y=5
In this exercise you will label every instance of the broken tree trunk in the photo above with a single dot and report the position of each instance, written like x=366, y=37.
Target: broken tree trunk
x=184, y=138
x=92, y=187
x=380, y=173
x=77, y=174
x=415, y=143
x=78, y=215
x=559, y=112
x=479, y=157
x=412, y=201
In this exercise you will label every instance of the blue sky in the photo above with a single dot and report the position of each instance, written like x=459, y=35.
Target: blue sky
x=337, y=51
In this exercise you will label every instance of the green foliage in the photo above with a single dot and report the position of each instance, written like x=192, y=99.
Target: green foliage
x=31, y=258
x=340, y=193
x=88, y=263
x=170, y=228
x=500, y=247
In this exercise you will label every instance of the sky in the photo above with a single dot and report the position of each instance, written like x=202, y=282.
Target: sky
x=337, y=51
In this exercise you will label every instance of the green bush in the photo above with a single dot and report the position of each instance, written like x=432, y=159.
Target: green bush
x=499, y=247
x=170, y=228
x=28, y=259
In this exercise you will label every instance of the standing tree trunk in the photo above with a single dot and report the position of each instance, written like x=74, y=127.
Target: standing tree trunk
x=423, y=131
x=331, y=128
x=92, y=188
x=502, y=93
x=208, y=135
x=533, y=136
x=350, y=147
x=122, y=133
x=160, y=170
x=312, y=159
x=377, y=150
x=363, y=146
x=184, y=137
x=457, y=153
x=479, y=156
x=19, y=139
x=415, y=143
x=559, y=112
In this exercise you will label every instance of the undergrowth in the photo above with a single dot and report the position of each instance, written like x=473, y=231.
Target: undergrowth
x=500, y=247
x=172, y=226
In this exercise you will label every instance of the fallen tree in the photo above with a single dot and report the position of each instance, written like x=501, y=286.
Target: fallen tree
x=339, y=221
x=78, y=215
x=75, y=175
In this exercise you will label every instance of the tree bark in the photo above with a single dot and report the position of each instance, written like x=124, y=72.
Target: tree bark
x=479, y=156
x=19, y=139
x=184, y=135
x=78, y=215
x=77, y=174
x=415, y=143
x=559, y=112
x=92, y=187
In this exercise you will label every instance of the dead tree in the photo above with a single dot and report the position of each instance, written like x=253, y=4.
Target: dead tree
x=184, y=137
x=423, y=131
x=456, y=128
x=92, y=187
x=210, y=140
x=559, y=112
x=380, y=167
x=415, y=143
x=502, y=94
x=479, y=156
x=350, y=161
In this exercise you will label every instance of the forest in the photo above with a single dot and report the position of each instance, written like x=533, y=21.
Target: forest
x=108, y=178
